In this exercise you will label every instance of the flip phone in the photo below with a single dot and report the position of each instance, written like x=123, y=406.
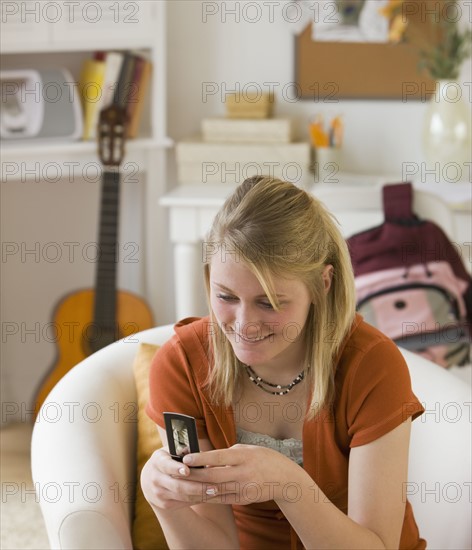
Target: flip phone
x=181, y=435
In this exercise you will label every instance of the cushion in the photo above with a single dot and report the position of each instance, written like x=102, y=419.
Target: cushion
x=147, y=533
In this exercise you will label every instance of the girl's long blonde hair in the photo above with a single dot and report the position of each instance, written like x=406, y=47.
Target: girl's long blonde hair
x=278, y=229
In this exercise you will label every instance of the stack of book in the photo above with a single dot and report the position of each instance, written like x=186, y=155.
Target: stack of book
x=229, y=150
x=120, y=78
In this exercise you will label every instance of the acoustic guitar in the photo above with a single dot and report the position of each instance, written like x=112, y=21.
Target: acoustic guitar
x=90, y=319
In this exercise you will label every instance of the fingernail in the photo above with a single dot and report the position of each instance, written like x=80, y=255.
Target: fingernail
x=188, y=459
x=183, y=471
x=211, y=491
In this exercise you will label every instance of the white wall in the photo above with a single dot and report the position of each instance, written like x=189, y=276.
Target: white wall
x=203, y=48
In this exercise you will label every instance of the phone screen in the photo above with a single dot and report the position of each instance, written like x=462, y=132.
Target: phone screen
x=181, y=435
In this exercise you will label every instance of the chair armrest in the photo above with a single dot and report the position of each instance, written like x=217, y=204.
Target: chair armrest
x=440, y=461
x=84, y=453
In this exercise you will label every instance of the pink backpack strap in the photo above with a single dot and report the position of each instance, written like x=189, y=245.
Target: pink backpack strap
x=398, y=202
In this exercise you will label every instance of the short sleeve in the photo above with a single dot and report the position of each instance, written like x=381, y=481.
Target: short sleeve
x=380, y=395
x=172, y=386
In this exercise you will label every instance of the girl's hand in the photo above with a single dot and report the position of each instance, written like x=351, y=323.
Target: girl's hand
x=165, y=483
x=243, y=474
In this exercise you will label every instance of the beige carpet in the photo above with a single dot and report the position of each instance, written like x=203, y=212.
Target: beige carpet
x=21, y=522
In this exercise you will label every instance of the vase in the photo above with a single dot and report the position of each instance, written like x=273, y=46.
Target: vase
x=447, y=126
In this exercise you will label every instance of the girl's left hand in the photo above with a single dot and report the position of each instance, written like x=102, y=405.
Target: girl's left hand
x=242, y=474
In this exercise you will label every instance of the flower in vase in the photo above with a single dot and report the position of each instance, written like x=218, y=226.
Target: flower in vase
x=443, y=47
x=443, y=59
x=398, y=23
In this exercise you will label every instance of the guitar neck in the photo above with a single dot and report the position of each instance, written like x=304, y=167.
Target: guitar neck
x=106, y=273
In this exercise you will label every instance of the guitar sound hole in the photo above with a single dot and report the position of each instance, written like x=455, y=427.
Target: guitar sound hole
x=96, y=337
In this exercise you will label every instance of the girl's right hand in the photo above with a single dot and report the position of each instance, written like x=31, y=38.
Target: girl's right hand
x=164, y=485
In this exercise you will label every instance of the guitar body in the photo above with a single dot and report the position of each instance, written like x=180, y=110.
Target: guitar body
x=78, y=335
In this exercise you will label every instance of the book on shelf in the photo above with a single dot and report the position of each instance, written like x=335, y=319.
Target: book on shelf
x=205, y=162
x=233, y=130
x=124, y=85
x=113, y=62
x=140, y=85
x=120, y=78
x=91, y=92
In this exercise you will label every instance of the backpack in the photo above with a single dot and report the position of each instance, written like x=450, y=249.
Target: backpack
x=411, y=283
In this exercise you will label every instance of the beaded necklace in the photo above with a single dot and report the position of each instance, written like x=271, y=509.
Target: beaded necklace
x=281, y=390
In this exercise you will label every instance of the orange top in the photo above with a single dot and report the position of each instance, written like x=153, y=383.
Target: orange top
x=373, y=396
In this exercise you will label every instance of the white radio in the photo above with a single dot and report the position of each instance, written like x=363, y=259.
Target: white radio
x=39, y=105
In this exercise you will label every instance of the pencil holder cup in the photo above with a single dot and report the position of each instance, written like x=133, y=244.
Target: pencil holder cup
x=327, y=164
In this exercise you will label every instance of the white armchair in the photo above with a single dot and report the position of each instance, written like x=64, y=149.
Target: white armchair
x=83, y=449
x=84, y=466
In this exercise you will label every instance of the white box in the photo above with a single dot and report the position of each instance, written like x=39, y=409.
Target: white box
x=231, y=163
x=234, y=130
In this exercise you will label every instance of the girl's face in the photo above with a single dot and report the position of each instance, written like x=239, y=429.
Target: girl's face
x=260, y=336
